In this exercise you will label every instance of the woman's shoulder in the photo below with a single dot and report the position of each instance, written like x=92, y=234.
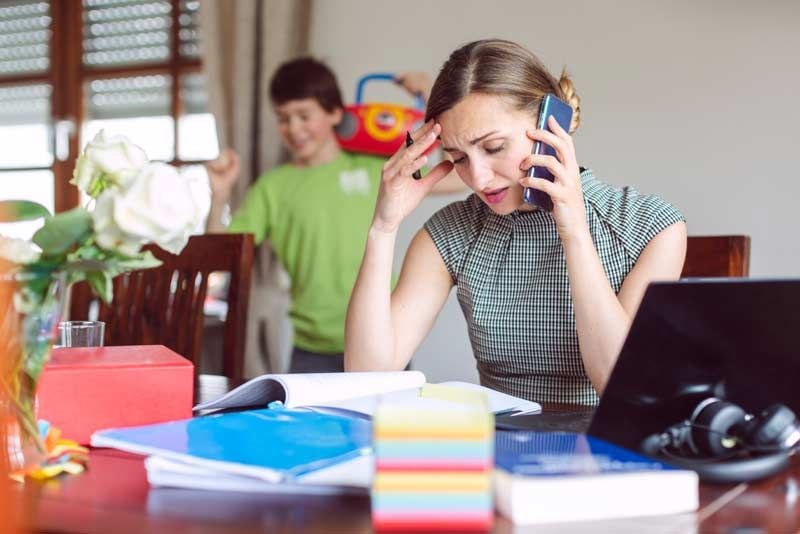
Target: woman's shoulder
x=624, y=214
x=453, y=228
x=622, y=203
x=460, y=214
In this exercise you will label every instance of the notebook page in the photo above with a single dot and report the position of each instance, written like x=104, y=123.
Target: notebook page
x=500, y=402
x=324, y=388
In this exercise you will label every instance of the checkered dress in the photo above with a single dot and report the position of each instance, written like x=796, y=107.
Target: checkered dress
x=511, y=279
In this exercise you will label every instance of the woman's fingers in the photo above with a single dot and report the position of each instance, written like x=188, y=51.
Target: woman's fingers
x=412, y=166
x=542, y=184
x=405, y=156
x=560, y=145
x=441, y=170
x=544, y=160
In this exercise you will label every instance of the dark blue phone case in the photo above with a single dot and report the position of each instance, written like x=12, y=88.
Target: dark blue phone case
x=551, y=105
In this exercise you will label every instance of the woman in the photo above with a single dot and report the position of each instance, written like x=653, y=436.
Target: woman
x=548, y=296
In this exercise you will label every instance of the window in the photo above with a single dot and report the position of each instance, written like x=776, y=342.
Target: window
x=69, y=69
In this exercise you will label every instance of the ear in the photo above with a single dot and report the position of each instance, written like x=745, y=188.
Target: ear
x=336, y=116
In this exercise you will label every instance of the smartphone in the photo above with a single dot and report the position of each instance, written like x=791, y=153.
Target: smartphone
x=551, y=105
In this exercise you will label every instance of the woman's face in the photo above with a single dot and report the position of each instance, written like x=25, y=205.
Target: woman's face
x=486, y=138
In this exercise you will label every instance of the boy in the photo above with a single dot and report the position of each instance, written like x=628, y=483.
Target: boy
x=316, y=209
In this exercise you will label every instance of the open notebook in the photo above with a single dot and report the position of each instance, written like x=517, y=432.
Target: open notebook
x=349, y=393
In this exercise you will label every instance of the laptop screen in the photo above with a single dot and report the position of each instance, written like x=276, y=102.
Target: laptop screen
x=736, y=339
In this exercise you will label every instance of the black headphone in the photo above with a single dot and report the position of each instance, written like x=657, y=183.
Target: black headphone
x=725, y=444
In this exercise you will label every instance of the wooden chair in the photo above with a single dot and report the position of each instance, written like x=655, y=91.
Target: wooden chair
x=711, y=256
x=164, y=305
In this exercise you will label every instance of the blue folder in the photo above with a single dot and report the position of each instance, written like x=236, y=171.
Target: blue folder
x=274, y=445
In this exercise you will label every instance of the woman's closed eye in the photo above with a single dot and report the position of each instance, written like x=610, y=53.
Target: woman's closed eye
x=494, y=149
x=489, y=150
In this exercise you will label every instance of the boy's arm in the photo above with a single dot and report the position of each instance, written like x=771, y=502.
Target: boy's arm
x=223, y=173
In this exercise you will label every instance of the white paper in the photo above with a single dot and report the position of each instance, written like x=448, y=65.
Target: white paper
x=296, y=390
x=349, y=477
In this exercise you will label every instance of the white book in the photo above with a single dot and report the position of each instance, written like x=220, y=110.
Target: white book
x=551, y=477
x=349, y=393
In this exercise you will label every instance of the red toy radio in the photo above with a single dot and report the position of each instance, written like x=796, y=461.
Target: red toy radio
x=377, y=128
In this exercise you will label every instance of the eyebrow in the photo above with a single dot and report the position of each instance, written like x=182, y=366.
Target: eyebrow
x=473, y=142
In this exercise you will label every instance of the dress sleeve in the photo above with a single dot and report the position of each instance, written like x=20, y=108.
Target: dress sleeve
x=636, y=218
x=452, y=229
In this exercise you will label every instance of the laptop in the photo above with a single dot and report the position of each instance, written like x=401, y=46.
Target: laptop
x=733, y=338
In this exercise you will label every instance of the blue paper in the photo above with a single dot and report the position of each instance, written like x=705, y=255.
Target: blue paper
x=280, y=444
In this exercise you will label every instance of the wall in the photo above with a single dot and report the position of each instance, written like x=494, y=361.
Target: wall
x=697, y=101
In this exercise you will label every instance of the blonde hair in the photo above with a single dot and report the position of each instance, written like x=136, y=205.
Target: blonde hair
x=502, y=68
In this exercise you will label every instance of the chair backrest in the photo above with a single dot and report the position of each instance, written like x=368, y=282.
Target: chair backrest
x=164, y=305
x=713, y=256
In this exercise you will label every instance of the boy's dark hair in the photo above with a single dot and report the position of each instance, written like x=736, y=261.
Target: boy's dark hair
x=305, y=77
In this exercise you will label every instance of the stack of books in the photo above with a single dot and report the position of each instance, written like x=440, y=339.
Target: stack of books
x=433, y=462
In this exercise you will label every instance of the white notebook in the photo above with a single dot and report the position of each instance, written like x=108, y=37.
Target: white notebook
x=356, y=392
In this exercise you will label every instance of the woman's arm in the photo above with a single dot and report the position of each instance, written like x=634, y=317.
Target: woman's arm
x=603, y=318
x=379, y=325
x=384, y=328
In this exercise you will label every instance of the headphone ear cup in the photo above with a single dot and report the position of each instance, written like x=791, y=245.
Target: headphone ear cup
x=711, y=428
x=773, y=428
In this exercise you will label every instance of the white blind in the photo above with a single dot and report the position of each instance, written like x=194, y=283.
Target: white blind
x=24, y=37
x=126, y=32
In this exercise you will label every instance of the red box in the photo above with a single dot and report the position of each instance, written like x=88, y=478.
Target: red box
x=85, y=389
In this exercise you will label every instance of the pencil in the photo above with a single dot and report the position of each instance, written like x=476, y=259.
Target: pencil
x=409, y=141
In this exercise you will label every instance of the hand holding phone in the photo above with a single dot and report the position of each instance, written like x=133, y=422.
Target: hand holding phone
x=551, y=105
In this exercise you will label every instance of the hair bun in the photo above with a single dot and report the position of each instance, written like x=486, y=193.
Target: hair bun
x=569, y=96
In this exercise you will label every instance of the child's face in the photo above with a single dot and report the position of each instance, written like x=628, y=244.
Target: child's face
x=487, y=141
x=307, y=130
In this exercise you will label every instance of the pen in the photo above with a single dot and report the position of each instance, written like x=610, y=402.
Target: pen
x=409, y=141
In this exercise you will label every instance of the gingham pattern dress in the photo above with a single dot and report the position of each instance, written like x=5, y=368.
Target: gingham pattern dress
x=511, y=282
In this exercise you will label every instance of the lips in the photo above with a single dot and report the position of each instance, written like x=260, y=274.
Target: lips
x=493, y=196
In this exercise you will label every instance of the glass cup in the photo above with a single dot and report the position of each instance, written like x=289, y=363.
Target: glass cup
x=81, y=333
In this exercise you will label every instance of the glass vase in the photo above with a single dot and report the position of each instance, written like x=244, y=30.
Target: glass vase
x=31, y=306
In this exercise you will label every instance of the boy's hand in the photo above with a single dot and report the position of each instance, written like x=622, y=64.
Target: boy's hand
x=223, y=173
x=417, y=83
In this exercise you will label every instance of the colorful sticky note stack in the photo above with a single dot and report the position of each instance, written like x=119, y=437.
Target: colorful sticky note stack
x=434, y=457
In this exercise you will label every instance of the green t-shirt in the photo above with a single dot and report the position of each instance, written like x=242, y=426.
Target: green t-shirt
x=317, y=219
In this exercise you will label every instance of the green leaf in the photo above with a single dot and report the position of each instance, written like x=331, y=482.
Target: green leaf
x=85, y=265
x=21, y=210
x=144, y=260
x=101, y=284
x=62, y=231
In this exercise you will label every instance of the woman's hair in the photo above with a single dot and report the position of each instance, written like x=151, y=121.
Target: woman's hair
x=302, y=78
x=502, y=68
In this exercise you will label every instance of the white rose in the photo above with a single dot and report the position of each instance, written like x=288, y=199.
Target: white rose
x=18, y=250
x=107, y=161
x=158, y=205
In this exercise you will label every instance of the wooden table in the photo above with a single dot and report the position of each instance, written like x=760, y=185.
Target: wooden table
x=113, y=497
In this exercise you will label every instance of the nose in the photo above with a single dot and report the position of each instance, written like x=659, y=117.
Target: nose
x=294, y=125
x=480, y=174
